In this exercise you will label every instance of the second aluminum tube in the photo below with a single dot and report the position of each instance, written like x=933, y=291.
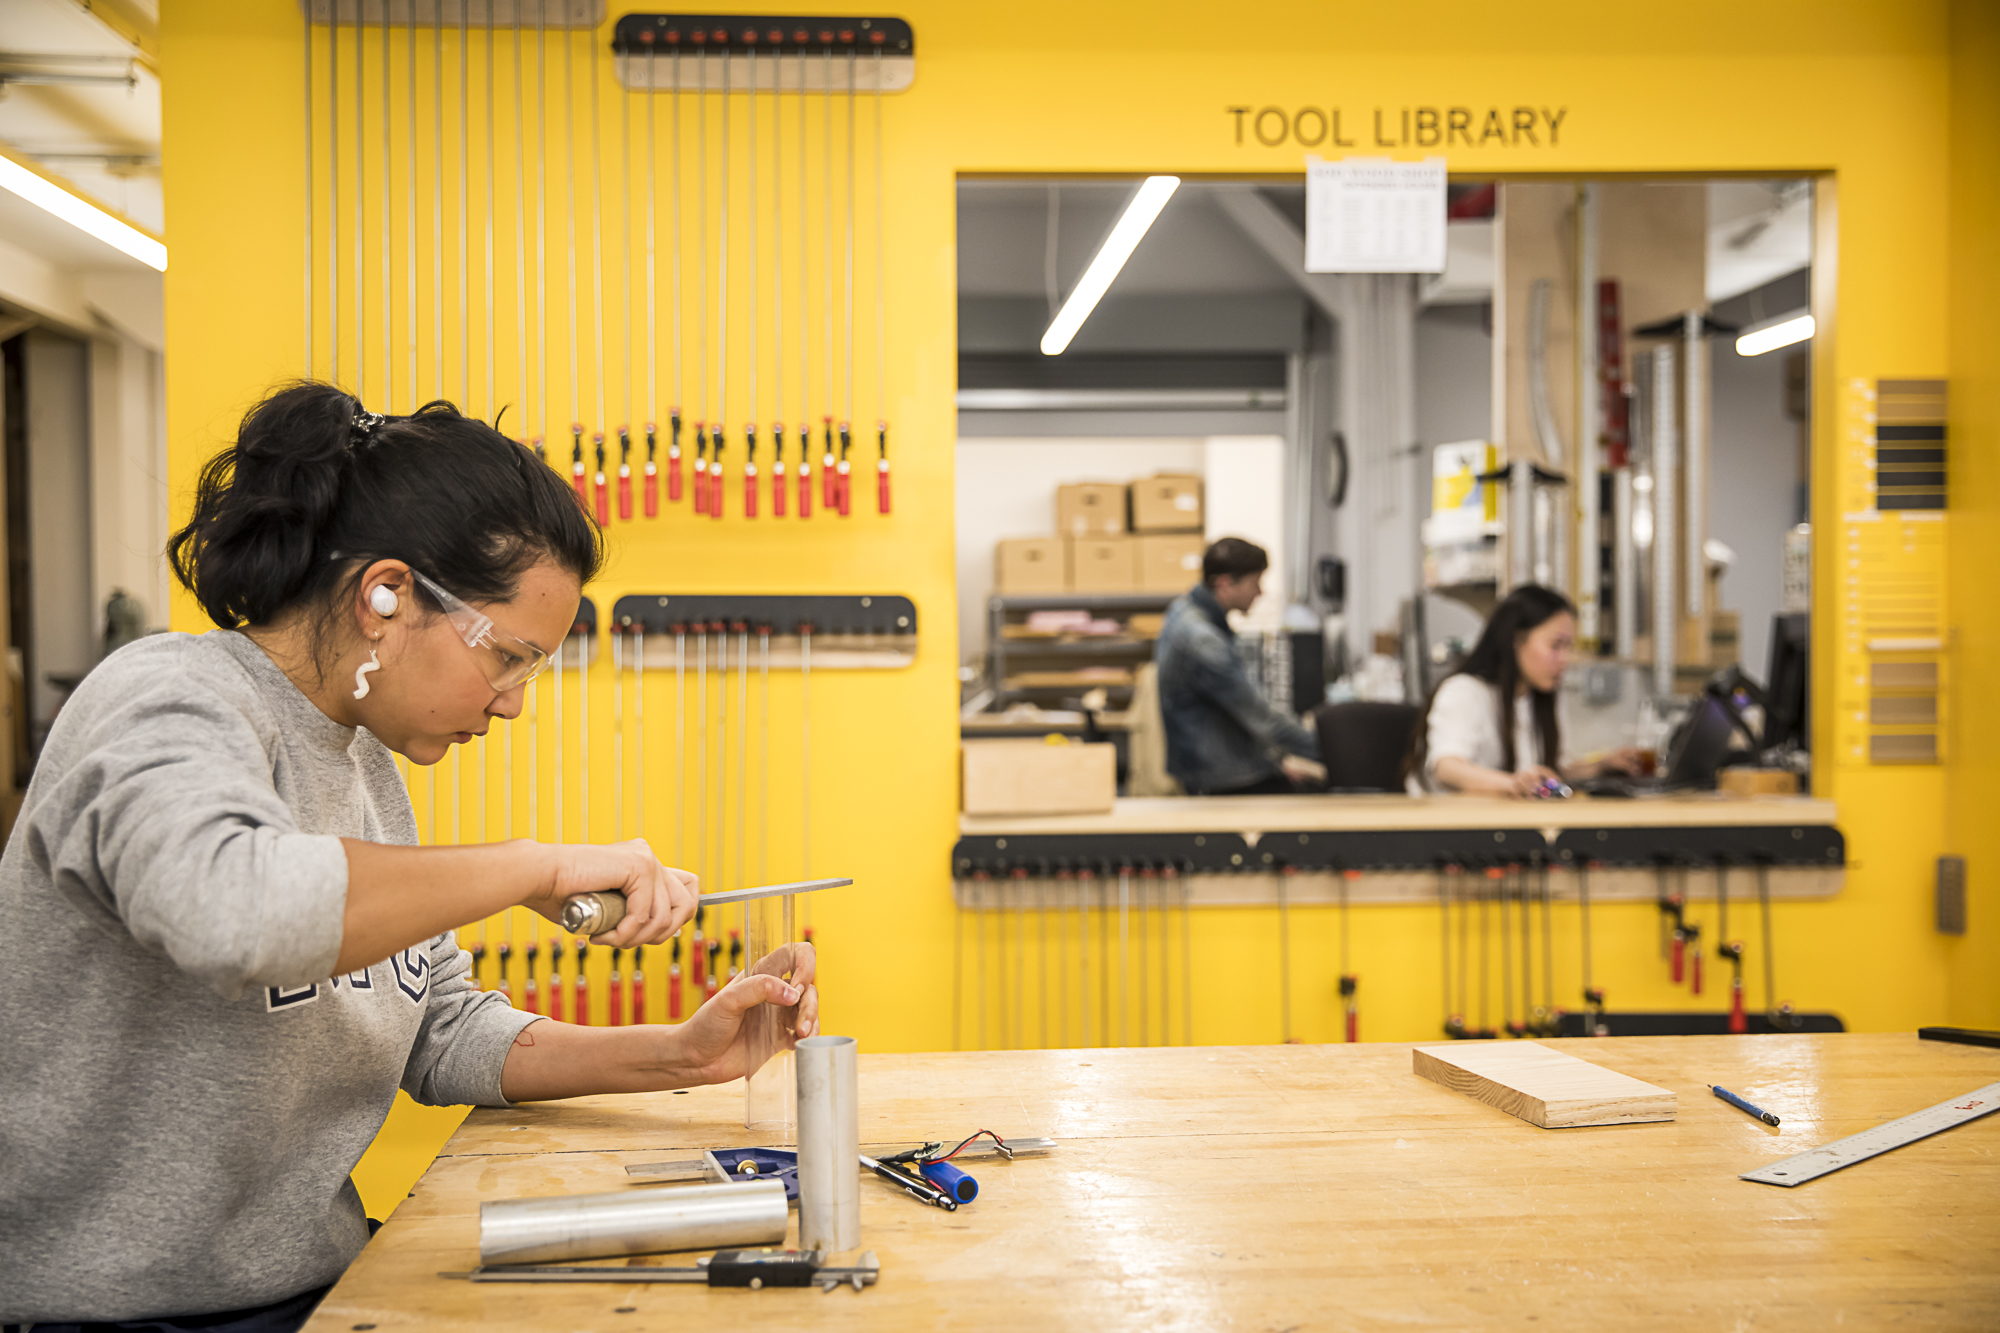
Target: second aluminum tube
x=829, y=1144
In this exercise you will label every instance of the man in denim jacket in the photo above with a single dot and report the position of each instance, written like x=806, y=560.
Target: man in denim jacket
x=1223, y=736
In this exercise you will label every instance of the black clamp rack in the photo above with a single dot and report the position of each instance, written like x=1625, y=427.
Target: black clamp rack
x=579, y=646
x=797, y=53
x=846, y=632
x=1100, y=853
x=1745, y=845
x=1814, y=845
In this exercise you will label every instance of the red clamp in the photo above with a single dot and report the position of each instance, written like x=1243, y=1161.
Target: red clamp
x=603, y=487
x=828, y=497
x=674, y=455
x=805, y=472
x=649, y=489
x=715, y=477
x=700, y=469
x=750, y=470
x=777, y=469
x=881, y=467
x=578, y=477
x=674, y=980
x=625, y=474
x=841, y=493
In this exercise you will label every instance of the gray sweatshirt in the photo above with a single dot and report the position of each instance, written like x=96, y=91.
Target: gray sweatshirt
x=184, y=1087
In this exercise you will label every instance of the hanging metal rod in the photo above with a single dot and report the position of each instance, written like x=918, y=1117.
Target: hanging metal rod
x=428, y=14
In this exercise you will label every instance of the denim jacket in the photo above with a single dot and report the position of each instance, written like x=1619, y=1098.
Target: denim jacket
x=1221, y=732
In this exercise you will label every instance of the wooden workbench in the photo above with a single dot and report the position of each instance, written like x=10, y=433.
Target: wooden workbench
x=1261, y=814
x=1301, y=1187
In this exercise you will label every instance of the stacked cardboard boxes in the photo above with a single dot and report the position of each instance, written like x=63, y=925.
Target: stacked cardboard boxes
x=1141, y=537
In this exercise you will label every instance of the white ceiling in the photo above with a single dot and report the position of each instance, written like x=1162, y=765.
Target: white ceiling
x=1192, y=249
x=1757, y=231
x=71, y=129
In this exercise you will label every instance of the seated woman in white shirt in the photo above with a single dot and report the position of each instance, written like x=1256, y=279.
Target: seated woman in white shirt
x=1494, y=727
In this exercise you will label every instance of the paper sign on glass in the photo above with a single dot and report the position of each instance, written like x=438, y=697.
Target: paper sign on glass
x=1371, y=215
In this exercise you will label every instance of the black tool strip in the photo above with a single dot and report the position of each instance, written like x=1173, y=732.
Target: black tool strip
x=1768, y=844
x=1697, y=1023
x=873, y=615
x=770, y=34
x=1963, y=1036
x=1400, y=849
x=1044, y=854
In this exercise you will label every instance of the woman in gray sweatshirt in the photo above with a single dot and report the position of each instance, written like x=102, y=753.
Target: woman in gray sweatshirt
x=222, y=951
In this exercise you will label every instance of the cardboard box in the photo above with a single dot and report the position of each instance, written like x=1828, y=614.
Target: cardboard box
x=1169, y=502
x=1037, y=777
x=1102, y=564
x=1168, y=563
x=1027, y=566
x=1757, y=782
x=1090, y=509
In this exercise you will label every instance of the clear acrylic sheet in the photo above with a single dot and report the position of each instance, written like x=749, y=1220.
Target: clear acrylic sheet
x=770, y=1098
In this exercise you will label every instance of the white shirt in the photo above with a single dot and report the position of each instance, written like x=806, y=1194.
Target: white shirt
x=1464, y=722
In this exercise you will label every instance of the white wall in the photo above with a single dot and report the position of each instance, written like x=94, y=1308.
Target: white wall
x=1244, y=478
x=1007, y=488
x=66, y=632
x=1753, y=493
x=128, y=465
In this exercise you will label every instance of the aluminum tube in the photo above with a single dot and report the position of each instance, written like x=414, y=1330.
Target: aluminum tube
x=1584, y=493
x=1666, y=519
x=1624, y=564
x=1694, y=463
x=639, y=1221
x=1520, y=523
x=829, y=1144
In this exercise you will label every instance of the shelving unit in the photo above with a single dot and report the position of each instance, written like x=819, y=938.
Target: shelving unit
x=1044, y=670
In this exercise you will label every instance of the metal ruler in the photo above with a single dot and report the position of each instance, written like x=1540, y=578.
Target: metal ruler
x=1873, y=1142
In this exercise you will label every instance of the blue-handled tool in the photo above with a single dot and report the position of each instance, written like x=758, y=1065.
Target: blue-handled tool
x=951, y=1180
x=1741, y=1105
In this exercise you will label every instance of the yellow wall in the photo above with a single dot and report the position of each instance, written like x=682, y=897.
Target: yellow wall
x=1868, y=91
x=1974, y=439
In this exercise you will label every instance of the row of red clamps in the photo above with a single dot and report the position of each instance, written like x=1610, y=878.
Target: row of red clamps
x=835, y=494
x=625, y=992
x=625, y=998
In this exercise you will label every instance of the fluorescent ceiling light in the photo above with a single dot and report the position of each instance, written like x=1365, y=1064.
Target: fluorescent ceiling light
x=81, y=214
x=1770, y=337
x=1117, y=248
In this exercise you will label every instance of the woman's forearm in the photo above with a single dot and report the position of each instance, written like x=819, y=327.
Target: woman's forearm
x=1463, y=775
x=551, y=1059
x=398, y=897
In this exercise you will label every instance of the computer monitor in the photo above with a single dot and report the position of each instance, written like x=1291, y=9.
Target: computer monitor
x=1700, y=745
x=1788, y=712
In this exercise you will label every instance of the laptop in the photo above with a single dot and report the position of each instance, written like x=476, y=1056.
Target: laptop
x=1694, y=754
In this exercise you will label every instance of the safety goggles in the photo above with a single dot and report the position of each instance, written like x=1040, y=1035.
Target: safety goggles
x=506, y=661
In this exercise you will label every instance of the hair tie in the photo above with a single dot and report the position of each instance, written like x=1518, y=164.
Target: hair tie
x=364, y=424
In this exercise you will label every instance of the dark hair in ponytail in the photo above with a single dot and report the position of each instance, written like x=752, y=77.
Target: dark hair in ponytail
x=1495, y=660
x=313, y=490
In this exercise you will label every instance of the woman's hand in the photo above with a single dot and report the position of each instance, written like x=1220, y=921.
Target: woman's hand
x=1532, y=782
x=1624, y=759
x=733, y=1034
x=659, y=900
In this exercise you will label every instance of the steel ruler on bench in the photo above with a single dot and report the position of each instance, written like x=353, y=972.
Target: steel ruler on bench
x=1873, y=1142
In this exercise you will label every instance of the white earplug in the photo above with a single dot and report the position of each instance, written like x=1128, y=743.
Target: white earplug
x=383, y=598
